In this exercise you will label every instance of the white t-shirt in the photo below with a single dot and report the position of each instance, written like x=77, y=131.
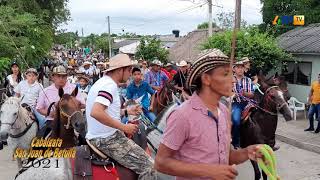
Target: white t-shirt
x=104, y=91
x=30, y=92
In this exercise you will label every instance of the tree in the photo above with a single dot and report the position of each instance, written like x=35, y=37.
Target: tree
x=205, y=25
x=271, y=8
x=23, y=37
x=151, y=48
x=52, y=12
x=66, y=38
x=226, y=20
x=261, y=48
x=97, y=42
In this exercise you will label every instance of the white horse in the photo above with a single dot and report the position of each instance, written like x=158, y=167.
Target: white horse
x=16, y=125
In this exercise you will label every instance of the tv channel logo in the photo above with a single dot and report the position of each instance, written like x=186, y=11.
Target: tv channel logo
x=296, y=20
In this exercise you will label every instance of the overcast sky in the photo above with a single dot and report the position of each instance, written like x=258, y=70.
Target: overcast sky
x=150, y=16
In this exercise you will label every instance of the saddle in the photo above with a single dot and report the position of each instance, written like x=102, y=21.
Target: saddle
x=29, y=109
x=247, y=111
x=89, y=157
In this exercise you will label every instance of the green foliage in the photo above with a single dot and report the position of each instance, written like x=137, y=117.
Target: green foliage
x=225, y=20
x=309, y=8
x=4, y=66
x=261, y=48
x=23, y=37
x=66, y=38
x=151, y=48
x=97, y=42
x=205, y=25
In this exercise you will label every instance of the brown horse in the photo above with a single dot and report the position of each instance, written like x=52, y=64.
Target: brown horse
x=163, y=98
x=261, y=126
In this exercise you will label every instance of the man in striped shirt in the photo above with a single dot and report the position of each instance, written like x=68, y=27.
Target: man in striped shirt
x=243, y=88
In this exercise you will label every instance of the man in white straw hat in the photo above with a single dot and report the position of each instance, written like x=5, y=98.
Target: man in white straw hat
x=87, y=68
x=196, y=141
x=105, y=130
x=155, y=77
x=180, y=78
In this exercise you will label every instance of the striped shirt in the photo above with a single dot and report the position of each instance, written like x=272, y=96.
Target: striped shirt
x=242, y=85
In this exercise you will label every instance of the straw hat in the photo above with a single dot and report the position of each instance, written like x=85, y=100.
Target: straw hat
x=84, y=77
x=182, y=63
x=70, y=67
x=207, y=60
x=156, y=62
x=168, y=64
x=245, y=59
x=100, y=63
x=59, y=70
x=87, y=63
x=32, y=70
x=119, y=61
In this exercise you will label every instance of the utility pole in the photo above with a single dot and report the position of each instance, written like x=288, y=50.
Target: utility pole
x=210, y=18
x=237, y=20
x=109, y=37
x=82, y=32
x=238, y=14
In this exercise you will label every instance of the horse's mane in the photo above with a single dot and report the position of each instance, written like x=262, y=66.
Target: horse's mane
x=12, y=100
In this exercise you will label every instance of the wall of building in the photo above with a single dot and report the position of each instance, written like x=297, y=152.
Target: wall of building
x=301, y=92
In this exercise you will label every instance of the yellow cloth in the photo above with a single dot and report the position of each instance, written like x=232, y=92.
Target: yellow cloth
x=316, y=92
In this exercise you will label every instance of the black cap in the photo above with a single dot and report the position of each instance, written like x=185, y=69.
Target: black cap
x=14, y=63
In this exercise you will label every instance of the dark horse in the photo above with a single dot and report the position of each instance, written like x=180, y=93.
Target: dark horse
x=164, y=98
x=261, y=125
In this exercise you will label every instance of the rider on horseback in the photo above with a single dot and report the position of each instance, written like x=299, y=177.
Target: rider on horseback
x=51, y=94
x=243, y=88
x=103, y=112
x=179, y=79
x=138, y=88
x=156, y=78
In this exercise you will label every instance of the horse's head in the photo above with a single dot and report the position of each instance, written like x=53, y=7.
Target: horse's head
x=9, y=115
x=69, y=114
x=275, y=100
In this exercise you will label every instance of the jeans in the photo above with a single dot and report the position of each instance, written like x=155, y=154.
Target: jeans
x=237, y=109
x=127, y=153
x=150, y=115
x=41, y=119
x=314, y=109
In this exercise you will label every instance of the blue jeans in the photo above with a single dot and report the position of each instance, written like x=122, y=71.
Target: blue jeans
x=313, y=110
x=237, y=109
x=41, y=119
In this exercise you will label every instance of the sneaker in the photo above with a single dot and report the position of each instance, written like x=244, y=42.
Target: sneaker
x=317, y=130
x=309, y=129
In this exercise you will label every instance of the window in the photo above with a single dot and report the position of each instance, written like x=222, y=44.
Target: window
x=297, y=72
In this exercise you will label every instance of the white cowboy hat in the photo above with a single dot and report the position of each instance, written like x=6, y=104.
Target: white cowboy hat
x=32, y=70
x=100, y=63
x=156, y=62
x=87, y=63
x=182, y=63
x=59, y=70
x=119, y=61
x=245, y=59
x=168, y=64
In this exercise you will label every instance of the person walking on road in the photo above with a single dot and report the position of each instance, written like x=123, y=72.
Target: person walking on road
x=196, y=141
x=314, y=101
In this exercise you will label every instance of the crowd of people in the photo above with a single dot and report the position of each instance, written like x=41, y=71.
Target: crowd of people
x=202, y=83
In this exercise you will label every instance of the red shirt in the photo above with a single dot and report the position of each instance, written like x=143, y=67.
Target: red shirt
x=169, y=74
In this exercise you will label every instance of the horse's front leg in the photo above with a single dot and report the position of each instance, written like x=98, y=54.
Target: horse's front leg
x=257, y=174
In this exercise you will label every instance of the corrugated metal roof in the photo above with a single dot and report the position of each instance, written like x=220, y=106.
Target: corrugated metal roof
x=301, y=39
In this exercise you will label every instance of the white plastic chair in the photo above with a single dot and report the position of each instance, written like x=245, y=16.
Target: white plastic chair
x=296, y=105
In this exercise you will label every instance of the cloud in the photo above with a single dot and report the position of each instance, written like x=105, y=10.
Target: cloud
x=150, y=16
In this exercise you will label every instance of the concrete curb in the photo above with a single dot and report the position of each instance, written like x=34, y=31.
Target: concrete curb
x=298, y=144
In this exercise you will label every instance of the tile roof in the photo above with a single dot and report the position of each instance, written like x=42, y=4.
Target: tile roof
x=301, y=39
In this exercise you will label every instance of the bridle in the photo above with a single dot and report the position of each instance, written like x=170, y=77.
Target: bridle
x=280, y=106
x=63, y=113
x=28, y=126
